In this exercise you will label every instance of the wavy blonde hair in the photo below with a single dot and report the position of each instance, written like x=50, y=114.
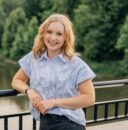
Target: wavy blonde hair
x=68, y=47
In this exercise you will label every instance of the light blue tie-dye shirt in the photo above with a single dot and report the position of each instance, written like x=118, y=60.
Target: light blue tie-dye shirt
x=57, y=78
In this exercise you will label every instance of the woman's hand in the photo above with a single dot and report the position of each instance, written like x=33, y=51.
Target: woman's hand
x=34, y=98
x=45, y=105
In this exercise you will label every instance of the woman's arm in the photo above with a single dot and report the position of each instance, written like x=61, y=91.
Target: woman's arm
x=85, y=99
x=19, y=83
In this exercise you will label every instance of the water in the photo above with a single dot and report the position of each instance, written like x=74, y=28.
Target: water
x=15, y=104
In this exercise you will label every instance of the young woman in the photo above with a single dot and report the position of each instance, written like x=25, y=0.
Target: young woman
x=60, y=81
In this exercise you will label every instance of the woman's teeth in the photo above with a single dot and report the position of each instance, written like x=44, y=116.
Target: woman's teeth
x=53, y=43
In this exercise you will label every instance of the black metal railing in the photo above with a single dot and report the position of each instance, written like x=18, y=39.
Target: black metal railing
x=104, y=107
x=8, y=92
x=19, y=117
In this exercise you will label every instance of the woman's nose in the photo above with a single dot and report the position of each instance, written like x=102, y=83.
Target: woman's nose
x=53, y=37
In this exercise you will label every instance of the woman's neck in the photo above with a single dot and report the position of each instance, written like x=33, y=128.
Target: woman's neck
x=53, y=54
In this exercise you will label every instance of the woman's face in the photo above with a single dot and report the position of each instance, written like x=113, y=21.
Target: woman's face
x=54, y=37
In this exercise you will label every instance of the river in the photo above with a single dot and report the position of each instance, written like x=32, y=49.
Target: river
x=15, y=104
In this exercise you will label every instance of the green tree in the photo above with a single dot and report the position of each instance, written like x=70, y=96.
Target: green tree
x=83, y=25
x=18, y=43
x=122, y=44
x=125, y=63
x=24, y=39
x=17, y=17
x=5, y=8
x=46, y=8
x=32, y=8
x=30, y=34
x=99, y=28
x=2, y=21
x=65, y=7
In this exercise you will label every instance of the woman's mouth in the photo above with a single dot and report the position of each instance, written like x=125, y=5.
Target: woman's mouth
x=53, y=43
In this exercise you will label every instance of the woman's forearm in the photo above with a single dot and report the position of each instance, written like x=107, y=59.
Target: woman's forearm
x=19, y=85
x=19, y=81
x=81, y=101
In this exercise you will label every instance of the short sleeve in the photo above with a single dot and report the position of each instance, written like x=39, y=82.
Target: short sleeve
x=25, y=63
x=84, y=73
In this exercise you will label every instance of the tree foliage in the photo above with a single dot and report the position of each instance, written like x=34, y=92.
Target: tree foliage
x=15, y=19
x=24, y=39
x=5, y=8
x=122, y=44
x=100, y=26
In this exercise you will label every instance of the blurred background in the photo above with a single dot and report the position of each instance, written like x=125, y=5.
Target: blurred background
x=101, y=30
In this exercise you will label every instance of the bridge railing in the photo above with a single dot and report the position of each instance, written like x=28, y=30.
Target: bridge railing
x=108, y=107
x=111, y=110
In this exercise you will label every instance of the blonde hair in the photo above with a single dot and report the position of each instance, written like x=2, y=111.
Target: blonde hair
x=68, y=47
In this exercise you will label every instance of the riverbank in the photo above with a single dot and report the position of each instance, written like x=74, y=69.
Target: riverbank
x=8, y=61
x=4, y=61
x=108, y=70
x=1, y=61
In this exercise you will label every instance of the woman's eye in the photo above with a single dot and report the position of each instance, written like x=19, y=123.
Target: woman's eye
x=49, y=31
x=59, y=34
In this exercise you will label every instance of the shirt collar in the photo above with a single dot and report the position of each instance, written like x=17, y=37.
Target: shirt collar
x=43, y=56
x=63, y=58
x=60, y=56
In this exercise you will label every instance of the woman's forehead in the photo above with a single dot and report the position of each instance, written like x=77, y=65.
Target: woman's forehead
x=56, y=25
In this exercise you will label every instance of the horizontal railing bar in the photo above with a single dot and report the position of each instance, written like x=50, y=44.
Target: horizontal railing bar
x=110, y=86
x=8, y=92
x=15, y=115
x=111, y=101
x=111, y=82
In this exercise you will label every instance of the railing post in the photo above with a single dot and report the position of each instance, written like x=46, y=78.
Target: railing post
x=20, y=122
x=85, y=111
x=5, y=123
x=106, y=111
x=116, y=109
x=34, y=124
x=126, y=108
x=95, y=112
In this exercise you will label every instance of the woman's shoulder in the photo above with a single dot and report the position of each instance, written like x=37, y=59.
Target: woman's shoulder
x=78, y=61
x=29, y=56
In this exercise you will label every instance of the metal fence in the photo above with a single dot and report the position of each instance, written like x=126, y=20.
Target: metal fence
x=96, y=110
